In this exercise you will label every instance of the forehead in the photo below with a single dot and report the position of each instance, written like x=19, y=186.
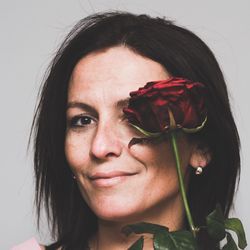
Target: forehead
x=117, y=70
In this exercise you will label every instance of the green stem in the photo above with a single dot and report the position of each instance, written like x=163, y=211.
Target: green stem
x=181, y=182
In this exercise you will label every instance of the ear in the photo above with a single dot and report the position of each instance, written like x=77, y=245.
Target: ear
x=200, y=157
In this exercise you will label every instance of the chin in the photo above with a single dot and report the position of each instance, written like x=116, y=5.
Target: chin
x=116, y=213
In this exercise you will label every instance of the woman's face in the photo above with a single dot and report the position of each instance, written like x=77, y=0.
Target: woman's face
x=118, y=183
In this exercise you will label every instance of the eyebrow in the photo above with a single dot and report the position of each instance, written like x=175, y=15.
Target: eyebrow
x=122, y=103
x=81, y=105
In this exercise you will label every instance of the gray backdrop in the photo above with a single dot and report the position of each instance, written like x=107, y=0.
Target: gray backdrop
x=30, y=33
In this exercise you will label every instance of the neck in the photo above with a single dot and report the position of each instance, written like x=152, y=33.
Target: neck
x=109, y=235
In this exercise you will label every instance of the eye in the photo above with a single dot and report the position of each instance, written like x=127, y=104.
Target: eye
x=126, y=119
x=127, y=123
x=81, y=121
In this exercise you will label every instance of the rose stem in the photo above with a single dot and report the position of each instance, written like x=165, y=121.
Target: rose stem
x=181, y=182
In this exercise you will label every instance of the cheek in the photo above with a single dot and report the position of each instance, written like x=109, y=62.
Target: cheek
x=160, y=163
x=154, y=155
x=76, y=150
x=160, y=185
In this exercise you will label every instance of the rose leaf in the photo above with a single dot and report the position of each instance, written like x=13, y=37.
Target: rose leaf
x=138, y=245
x=230, y=245
x=178, y=240
x=185, y=240
x=235, y=225
x=215, y=224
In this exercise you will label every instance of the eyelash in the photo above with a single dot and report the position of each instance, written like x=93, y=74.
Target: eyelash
x=73, y=123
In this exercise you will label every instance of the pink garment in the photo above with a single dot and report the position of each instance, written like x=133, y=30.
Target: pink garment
x=28, y=245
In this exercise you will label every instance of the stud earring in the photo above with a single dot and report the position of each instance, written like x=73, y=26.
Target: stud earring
x=73, y=176
x=198, y=171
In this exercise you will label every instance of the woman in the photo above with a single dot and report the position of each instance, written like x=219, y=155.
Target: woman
x=91, y=183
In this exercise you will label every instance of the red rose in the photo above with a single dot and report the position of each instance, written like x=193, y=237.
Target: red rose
x=151, y=107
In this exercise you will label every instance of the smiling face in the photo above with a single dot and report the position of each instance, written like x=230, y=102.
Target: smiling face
x=118, y=183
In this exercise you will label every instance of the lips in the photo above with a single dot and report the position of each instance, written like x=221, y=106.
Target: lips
x=107, y=179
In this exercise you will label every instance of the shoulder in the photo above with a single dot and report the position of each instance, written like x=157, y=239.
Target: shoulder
x=30, y=244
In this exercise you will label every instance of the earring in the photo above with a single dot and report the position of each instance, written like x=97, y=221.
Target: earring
x=198, y=171
x=73, y=176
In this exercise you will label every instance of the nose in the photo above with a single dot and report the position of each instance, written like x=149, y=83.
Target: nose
x=106, y=142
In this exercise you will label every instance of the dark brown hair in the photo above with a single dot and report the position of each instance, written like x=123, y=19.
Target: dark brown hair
x=183, y=54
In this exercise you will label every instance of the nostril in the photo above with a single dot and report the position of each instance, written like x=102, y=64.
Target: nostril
x=110, y=154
